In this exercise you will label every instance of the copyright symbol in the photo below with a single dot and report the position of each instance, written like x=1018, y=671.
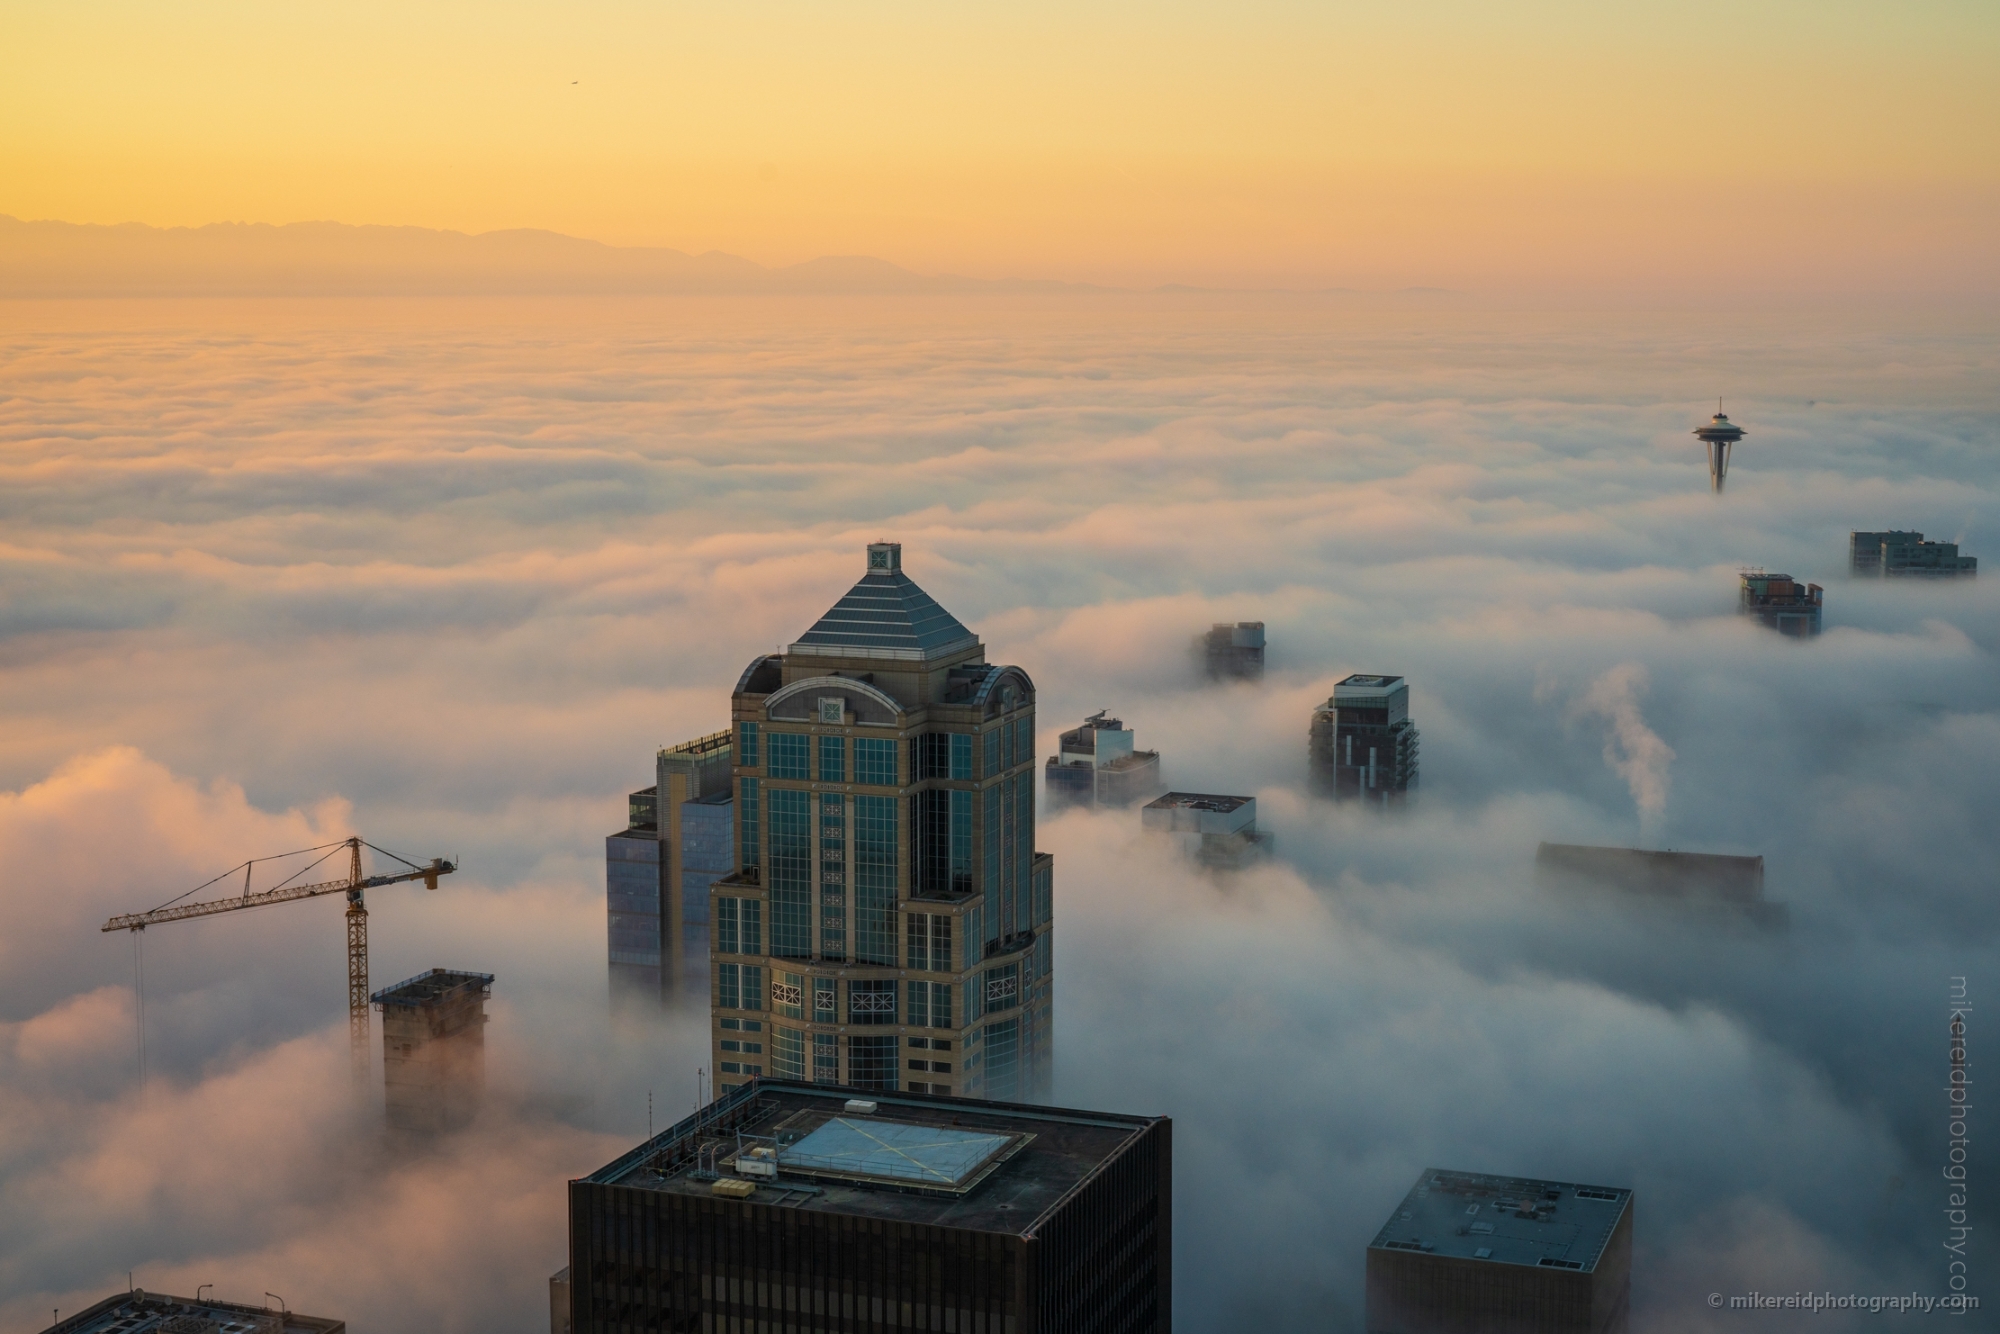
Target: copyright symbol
x=1715, y=1299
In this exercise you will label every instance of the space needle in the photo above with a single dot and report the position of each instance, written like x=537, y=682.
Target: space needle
x=1718, y=435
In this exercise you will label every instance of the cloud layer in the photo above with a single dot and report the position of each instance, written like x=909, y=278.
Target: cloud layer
x=445, y=572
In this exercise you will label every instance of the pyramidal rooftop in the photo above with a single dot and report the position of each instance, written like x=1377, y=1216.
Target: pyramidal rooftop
x=885, y=616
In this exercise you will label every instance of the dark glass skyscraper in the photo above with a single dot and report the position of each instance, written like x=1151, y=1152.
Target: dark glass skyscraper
x=888, y=924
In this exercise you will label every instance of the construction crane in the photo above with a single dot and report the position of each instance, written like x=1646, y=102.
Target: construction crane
x=357, y=920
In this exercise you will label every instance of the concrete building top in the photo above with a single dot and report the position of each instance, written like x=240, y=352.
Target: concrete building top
x=885, y=615
x=1199, y=813
x=1556, y=1225
x=951, y=1162
x=142, y=1312
x=431, y=986
x=1363, y=686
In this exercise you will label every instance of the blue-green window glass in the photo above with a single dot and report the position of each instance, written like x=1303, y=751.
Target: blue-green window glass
x=746, y=743
x=875, y=761
x=824, y=1007
x=788, y=995
x=1007, y=756
x=961, y=756
x=989, y=749
x=940, y=1005
x=791, y=755
x=753, y=989
x=990, y=832
x=1003, y=1060
x=728, y=987
x=833, y=759
x=725, y=926
x=919, y=1004
x=975, y=934
x=826, y=1057
x=1044, y=895
x=746, y=801
x=974, y=987
x=1024, y=848
x=752, y=913
x=875, y=880
x=961, y=842
x=1024, y=739
x=791, y=871
x=788, y=1053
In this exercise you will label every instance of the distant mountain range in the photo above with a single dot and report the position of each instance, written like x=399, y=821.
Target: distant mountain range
x=331, y=258
x=67, y=259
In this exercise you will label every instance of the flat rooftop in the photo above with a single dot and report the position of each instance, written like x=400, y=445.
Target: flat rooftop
x=427, y=988
x=1505, y=1220
x=1199, y=801
x=948, y=1162
x=143, y=1312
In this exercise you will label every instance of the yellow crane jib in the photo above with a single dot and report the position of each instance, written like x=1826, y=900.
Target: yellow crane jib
x=356, y=918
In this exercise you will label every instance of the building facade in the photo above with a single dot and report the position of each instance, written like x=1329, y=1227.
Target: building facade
x=1362, y=745
x=434, y=1049
x=1781, y=602
x=658, y=870
x=1899, y=555
x=1467, y=1253
x=888, y=921
x=1232, y=652
x=1096, y=765
x=804, y=1207
x=1212, y=830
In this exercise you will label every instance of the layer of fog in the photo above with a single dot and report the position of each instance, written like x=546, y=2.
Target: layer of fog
x=445, y=574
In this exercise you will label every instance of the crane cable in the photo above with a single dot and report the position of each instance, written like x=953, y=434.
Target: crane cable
x=244, y=866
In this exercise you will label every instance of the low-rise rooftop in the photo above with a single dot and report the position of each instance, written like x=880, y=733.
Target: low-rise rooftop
x=1505, y=1220
x=142, y=1312
x=952, y=1162
x=1198, y=801
x=431, y=987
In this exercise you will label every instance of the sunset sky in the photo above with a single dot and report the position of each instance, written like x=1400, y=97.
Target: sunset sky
x=1783, y=146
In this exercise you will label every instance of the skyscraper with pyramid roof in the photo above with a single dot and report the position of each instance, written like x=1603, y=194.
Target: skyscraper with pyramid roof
x=888, y=924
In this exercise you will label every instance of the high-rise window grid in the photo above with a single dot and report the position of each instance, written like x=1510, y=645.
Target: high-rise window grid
x=747, y=804
x=832, y=876
x=739, y=986
x=791, y=755
x=791, y=873
x=826, y=1058
x=746, y=744
x=739, y=926
x=832, y=759
x=875, y=880
x=788, y=1052
x=788, y=995
x=872, y=1062
x=871, y=1001
x=928, y=1004
x=927, y=942
x=875, y=761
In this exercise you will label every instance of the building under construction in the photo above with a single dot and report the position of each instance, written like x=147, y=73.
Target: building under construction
x=434, y=1049
x=1095, y=765
x=1781, y=602
x=142, y=1312
x=1697, y=879
x=1467, y=1253
x=1900, y=555
x=1232, y=652
x=1362, y=745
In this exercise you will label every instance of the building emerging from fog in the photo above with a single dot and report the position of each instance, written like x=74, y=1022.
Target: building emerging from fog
x=1701, y=879
x=1472, y=1254
x=1095, y=765
x=1232, y=652
x=1215, y=831
x=790, y=1206
x=888, y=922
x=679, y=839
x=1781, y=602
x=434, y=1048
x=1897, y=555
x=1362, y=745
x=142, y=1312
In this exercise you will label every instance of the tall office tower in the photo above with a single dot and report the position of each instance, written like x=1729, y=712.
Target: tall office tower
x=1693, y=880
x=1095, y=765
x=1897, y=555
x=793, y=1206
x=1232, y=652
x=1781, y=602
x=888, y=924
x=1472, y=1254
x=434, y=1048
x=677, y=841
x=1362, y=745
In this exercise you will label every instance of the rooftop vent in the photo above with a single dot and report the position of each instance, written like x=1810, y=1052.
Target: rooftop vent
x=858, y=1107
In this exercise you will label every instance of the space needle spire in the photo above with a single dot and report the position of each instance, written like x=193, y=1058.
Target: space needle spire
x=1719, y=435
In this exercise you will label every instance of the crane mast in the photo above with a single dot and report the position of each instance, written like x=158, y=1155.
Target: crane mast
x=357, y=926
